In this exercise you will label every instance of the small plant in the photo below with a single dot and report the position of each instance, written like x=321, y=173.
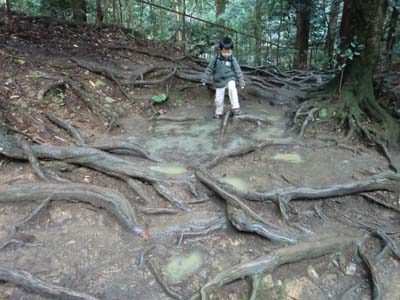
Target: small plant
x=159, y=98
x=347, y=55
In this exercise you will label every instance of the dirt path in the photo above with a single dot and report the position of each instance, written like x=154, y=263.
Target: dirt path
x=75, y=245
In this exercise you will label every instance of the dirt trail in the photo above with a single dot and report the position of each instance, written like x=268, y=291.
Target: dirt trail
x=86, y=249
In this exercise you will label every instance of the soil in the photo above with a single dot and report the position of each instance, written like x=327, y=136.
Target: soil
x=86, y=249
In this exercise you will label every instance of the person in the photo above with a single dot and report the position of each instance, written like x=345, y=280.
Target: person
x=226, y=72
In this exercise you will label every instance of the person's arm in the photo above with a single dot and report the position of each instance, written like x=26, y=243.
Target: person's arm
x=239, y=73
x=208, y=72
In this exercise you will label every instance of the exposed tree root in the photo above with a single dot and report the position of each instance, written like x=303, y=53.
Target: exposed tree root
x=375, y=283
x=245, y=150
x=31, y=283
x=168, y=195
x=291, y=254
x=84, y=156
x=218, y=225
x=105, y=198
x=157, y=211
x=242, y=216
x=157, y=275
x=386, y=181
x=19, y=239
x=259, y=120
x=35, y=212
x=83, y=95
x=224, y=125
x=155, y=81
x=174, y=118
x=381, y=202
x=68, y=127
x=124, y=147
x=102, y=70
x=32, y=159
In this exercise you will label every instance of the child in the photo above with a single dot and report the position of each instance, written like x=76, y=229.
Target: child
x=226, y=72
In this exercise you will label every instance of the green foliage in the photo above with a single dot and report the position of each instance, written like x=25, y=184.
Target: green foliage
x=347, y=54
x=159, y=98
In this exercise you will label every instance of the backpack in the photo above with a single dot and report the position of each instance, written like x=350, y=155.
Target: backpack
x=230, y=60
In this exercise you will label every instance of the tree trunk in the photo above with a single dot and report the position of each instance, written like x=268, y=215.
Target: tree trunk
x=79, y=11
x=99, y=12
x=367, y=20
x=303, y=12
x=330, y=37
x=345, y=32
x=279, y=34
x=258, y=32
x=184, y=27
x=391, y=37
x=220, y=6
x=8, y=6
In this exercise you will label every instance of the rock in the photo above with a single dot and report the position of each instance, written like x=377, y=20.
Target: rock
x=110, y=100
x=267, y=282
x=350, y=269
x=312, y=273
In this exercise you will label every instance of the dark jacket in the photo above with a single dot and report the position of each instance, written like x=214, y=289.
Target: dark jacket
x=223, y=70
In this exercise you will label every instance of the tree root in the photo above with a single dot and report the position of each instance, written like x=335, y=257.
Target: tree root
x=124, y=147
x=31, y=283
x=245, y=150
x=157, y=275
x=157, y=211
x=68, y=127
x=102, y=70
x=174, y=118
x=155, y=81
x=242, y=216
x=224, y=125
x=267, y=264
x=32, y=159
x=252, y=118
x=84, y=96
x=101, y=197
x=219, y=224
x=18, y=238
x=167, y=194
x=376, y=288
x=385, y=181
x=381, y=202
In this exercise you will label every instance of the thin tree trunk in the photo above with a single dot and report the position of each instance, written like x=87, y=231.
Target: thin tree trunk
x=8, y=6
x=391, y=37
x=279, y=34
x=302, y=34
x=99, y=12
x=345, y=32
x=330, y=37
x=184, y=27
x=79, y=11
x=258, y=32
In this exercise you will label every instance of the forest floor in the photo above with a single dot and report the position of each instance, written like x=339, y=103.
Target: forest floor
x=84, y=248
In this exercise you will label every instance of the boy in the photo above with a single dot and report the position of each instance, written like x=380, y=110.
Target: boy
x=226, y=72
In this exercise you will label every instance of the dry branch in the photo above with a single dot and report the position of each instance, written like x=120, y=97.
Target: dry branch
x=31, y=283
x=291, y=254
x=109, y=199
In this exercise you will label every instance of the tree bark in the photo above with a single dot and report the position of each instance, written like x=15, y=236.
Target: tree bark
x=303, y=12
x=344, y=32
x=79, y=11
x=99, y=12
x=357, y=95
x=391, y=37
x=258, y=32
x=330, y=37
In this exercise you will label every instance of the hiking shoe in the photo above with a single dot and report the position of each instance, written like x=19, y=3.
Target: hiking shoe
x=237, y=111
x=216, y=116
